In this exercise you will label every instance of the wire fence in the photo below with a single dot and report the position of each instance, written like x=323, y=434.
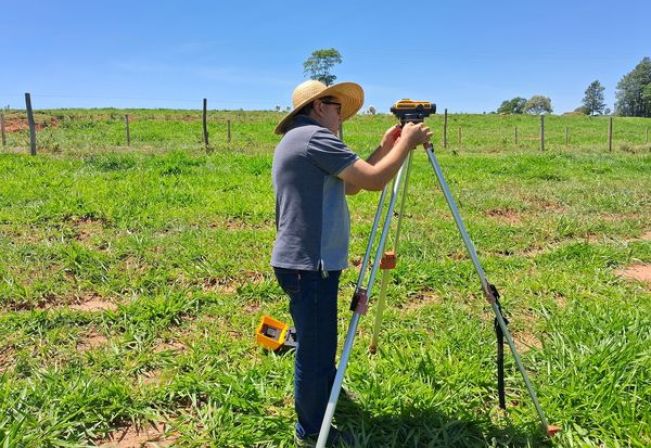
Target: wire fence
x=60, y=130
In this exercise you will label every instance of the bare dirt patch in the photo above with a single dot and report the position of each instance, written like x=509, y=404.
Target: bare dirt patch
x=646, y=236
x=7, y=358
x=506, y=215
x=172, y=346
x=93, y=303
x=151, y=377
x=222, y=285
x=21, y=124
x=91, y=340
x=525, y=341
x=153, y=435
x=560, y=299
x=421, y=300
x=639, y=272
x=544, y=205
x=252, y=308
x=87, y=227
x=231, y=285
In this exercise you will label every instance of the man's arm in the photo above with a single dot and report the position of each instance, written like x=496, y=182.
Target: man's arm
x=388, y=140
x=364, y=175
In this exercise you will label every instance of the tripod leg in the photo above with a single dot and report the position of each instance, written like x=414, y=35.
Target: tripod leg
x=380, y=309
x=488, y=289
x=389, y=262
x=352, y=329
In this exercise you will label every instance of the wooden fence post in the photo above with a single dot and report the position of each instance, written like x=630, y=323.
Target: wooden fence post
x=542, y=132
x=228, y=135
x=515, y=132
x=205, y=124
x=126, y=122
x=4, y=138
x=610, y=134
x=32, y=125
x=445, y=130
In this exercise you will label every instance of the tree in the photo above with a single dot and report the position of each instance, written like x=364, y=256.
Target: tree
x=633, y=99
x=646, y=94
x=593, y=101
x=319, y=64
x=371, y=110
x=538, y=104
x=512, y=106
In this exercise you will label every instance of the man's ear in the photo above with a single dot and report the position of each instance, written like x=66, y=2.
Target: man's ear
x=317, y=107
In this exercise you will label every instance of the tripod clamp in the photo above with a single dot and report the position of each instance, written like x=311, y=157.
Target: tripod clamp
x=359, y=303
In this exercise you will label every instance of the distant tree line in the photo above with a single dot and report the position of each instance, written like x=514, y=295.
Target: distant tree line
x=633, y=97
x=537, y=104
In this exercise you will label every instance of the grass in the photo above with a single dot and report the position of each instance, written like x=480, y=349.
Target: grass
x=175, y=243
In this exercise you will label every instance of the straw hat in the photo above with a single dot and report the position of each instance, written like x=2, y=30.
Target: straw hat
x=349, y=94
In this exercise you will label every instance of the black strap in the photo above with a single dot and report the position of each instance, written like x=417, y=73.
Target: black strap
x=500, y=364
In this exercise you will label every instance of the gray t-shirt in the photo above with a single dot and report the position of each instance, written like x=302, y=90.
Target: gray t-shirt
x=312, y=220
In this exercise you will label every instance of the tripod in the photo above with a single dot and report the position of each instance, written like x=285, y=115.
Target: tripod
x=359, y=304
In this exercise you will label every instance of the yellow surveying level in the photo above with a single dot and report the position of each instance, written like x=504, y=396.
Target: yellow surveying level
x=410, y=111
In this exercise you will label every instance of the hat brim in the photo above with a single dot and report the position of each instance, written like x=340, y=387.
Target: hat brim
x=350, y=94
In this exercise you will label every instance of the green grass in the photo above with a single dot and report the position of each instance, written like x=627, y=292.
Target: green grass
x=178, y=241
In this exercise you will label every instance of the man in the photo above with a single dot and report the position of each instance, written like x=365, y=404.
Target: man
x=313, y=170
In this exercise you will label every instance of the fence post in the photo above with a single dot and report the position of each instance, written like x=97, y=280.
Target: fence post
x=4, y=138
x=228, y=135
x=567, y=136
x=542, y=132
x=32, y=125
x=126, y=121
x=445, y=130
x=610, y=134
x=205, y=124
x=515, y=132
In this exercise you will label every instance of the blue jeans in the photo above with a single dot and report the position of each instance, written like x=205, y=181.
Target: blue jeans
x=313, y=306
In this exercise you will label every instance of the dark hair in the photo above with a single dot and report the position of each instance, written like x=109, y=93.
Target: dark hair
x=305, y=110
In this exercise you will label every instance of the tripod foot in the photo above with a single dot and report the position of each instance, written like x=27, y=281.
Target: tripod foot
x=552, y=430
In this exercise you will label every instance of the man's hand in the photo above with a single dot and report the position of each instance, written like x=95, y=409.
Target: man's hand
x=389, y=139
x=415, y=134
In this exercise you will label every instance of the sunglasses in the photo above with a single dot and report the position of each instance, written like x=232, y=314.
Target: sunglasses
x=335, y=103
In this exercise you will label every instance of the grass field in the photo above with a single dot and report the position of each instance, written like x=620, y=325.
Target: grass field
x=133, y=279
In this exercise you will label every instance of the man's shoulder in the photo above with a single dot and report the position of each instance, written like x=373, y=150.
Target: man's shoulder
x=300, y=134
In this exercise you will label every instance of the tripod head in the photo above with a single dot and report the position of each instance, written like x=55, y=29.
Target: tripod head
x=410, y=111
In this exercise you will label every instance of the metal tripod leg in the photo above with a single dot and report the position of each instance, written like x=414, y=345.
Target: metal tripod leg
x=486, y=287
x=360, y=308
x=386, y=273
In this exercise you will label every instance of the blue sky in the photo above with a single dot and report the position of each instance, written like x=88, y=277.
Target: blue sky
x=465, y=56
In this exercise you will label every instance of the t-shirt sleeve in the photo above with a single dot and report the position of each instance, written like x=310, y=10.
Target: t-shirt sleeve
x=329, y=153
